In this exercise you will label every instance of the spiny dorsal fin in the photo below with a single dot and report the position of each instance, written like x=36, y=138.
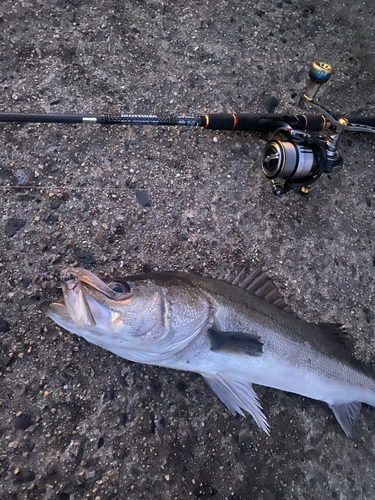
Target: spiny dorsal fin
x=258, y=283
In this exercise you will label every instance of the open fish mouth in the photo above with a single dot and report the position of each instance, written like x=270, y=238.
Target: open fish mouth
x=75, y=308
x=85, y=297
x=77, y=304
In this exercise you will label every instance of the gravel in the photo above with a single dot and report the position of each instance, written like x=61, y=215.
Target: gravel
x=80, y=423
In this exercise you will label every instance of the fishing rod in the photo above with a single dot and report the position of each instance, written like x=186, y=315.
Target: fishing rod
x=297, y=153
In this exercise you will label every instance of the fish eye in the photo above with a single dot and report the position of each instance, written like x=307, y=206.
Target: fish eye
x=118, y=287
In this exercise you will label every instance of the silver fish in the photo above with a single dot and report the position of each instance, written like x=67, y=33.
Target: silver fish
x=234, y=334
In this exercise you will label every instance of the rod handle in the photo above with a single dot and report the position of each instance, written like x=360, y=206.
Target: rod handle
x=261, y=123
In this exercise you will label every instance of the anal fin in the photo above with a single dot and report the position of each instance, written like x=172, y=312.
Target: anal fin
x=345, y=414
x=238, y=396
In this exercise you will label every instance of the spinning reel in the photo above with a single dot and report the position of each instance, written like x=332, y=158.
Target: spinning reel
x=298, y=158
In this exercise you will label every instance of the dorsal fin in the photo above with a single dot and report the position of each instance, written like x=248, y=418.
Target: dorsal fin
x=258, y=283
x=337, y=333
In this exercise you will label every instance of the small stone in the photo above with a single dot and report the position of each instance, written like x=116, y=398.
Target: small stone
x=22, y=422
x=13, y=225
x=56, y=259
x=44, y=244
x=4, y=326
x=84, y=256
x=143, y=197
x=109, y=394
x=100, y=238
x=25, y=282
x=182, y=237
x=25, y=476
x=22, y=177
x=52, y=219
x=54, y=205
x=16, y=470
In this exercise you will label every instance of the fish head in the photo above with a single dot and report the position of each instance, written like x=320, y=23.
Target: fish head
x=107, y=310
x=142, y=320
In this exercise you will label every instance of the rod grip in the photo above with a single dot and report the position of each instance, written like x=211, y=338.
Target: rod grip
x=219, y=121
x=242, y=121
x=261, y=123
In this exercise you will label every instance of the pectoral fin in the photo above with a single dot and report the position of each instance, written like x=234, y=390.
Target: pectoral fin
x=235, y=342
x=238, y=396
x=345, y=414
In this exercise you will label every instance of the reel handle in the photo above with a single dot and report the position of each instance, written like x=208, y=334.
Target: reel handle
x=319, y=74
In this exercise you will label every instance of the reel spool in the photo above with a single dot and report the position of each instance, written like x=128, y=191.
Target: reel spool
x=294, y=157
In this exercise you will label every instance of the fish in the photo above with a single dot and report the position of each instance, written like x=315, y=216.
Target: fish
x=234, y=333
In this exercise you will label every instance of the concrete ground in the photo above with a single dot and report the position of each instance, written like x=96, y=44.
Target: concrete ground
x=77, y=422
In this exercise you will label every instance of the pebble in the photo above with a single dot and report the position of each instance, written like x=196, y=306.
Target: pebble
x=25, y=281
x=143, y=197
x=4, y=326
x=25, y=476
x=56, y=259
x=55, y=204
x=84, y=256
x=22, y=422
x=22, y=177
x=13, y=225
x=52, y=218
